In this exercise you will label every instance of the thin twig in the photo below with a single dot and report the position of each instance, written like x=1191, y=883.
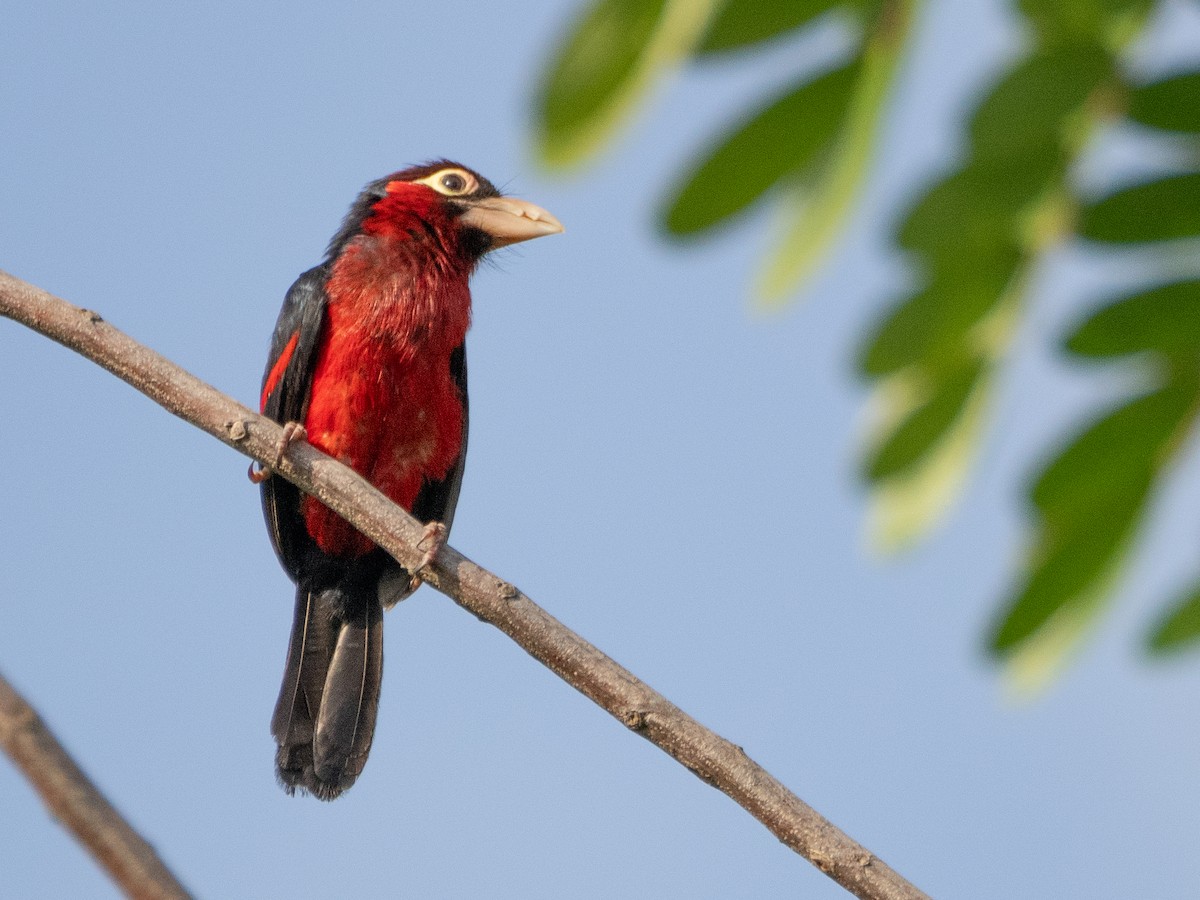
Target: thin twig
x=715, y=760
x=75, y=801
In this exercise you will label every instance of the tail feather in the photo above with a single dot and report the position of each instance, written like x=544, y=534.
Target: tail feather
x=346, y=722
x=325, y=717
x=314, y=635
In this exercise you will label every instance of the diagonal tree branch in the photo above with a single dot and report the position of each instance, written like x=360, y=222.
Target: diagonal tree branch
x=79, y=805
x=712, y=758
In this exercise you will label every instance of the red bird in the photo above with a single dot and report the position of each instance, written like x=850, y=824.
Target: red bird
x=367, y=362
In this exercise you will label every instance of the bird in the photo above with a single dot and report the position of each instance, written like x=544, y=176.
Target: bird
x=367, y=363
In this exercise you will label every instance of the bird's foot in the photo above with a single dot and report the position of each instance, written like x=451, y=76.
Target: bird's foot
x=431, y=542
x=292, y=432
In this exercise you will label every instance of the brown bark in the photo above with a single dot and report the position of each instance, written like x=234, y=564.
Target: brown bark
x=74, y=800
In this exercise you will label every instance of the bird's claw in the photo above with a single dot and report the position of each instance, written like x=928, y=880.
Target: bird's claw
x=292, y=432
x=432, y=542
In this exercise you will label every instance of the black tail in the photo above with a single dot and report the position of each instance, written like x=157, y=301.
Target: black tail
x=325, y=717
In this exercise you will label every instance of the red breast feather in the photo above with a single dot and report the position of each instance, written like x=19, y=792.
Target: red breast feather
x=383, y=400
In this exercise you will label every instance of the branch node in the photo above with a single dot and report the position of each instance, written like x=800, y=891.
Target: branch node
x=507, y=591
x=237, y=430
x=91, y=315
x=706, y=776
x=635, y=719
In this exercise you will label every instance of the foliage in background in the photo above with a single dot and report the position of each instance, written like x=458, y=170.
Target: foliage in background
x=807, y=147
x=976, y=237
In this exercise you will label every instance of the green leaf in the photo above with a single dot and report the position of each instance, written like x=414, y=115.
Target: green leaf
x=1109, y=22
x=925, y=426
x=1179, y=629
x=1162, y=210
x=743, y=23
x=1090, y=499
x=905, y=505
x=1172, y=104
x=980, y=206
x=1035, y=662
x=1165, y=319
x=774, y=141
x=1031, y=111
x=1108, y=461
x=1068, y=567
x=937, y=322
x=816, y=207
x=908, y=503
x=970, y=227
x=615, y=53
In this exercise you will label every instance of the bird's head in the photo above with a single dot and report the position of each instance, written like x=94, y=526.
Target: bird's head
x=447, y=206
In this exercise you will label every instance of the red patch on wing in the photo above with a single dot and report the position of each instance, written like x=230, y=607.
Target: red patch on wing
x=277, y=371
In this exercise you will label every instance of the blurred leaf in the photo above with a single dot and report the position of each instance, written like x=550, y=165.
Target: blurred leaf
x=925, y=426
x=904, y=505
x=978, y=231
x=1031, y=666
x=978, y=207
x=1108, y=461
x=1029, y=111
x=1179, y=629
x=910, y=502
x=1018, y=152
x=816, y=207
x=1070, y=562
x=1090, y=498
x=1110, y=22
x=1172, y=104
x=934, y=324
x=743, y=23
x=971, y=226
x=614, y=54
x=782, y=137
x=1161, y=210
x=1165, y=319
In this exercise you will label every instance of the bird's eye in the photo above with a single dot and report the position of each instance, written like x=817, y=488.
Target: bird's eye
x=454, y=182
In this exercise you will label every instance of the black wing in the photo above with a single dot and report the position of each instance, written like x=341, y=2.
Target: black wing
x=287, y=386
x=437, y=499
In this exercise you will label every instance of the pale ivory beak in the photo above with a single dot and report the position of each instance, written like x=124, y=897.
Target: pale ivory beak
x=509, y=220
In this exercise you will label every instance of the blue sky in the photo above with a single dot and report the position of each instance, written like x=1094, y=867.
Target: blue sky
x=669, y=473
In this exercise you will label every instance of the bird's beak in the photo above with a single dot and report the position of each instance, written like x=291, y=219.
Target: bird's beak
x=509, y=220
